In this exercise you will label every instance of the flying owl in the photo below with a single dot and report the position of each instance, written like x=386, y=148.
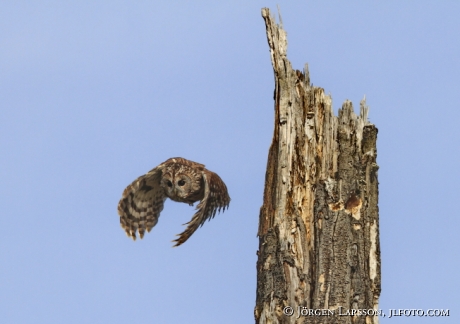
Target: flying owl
x=180, y=180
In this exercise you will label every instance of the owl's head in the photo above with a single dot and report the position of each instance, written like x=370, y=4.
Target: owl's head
x=184, y=185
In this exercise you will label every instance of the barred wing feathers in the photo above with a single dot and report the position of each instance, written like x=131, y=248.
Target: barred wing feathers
x=141, y=203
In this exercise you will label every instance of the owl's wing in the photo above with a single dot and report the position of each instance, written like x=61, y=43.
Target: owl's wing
x=141, y=203
x=215, y=198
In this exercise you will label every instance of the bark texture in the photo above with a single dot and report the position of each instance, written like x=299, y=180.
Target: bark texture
x=319, y=225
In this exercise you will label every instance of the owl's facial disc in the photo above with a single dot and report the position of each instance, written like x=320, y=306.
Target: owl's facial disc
x=168, y=184
x=182, y=186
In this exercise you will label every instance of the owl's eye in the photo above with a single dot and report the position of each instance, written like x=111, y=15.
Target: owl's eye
x=181, y=183
x=169, y=183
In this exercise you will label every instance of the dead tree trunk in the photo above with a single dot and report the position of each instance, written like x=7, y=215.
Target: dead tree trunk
x=319, y=249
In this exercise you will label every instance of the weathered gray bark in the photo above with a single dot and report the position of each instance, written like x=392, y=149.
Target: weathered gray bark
x=319, y=231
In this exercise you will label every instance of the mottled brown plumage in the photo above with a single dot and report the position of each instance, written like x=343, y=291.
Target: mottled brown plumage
x=180, y=180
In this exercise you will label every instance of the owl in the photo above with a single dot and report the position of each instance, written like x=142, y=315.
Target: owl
x=180, y=180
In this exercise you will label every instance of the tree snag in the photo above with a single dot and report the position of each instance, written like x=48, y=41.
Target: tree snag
x=319, y=250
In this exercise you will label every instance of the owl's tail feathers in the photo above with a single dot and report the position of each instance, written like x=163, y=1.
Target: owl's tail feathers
x=185, y=235
x=206, y=211
x=196, y=221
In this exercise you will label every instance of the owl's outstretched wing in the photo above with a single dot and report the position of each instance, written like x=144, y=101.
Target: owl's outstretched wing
x=215, y=198
x=141, y=203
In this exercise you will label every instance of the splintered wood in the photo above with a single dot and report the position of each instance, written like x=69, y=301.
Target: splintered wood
x=319, y=251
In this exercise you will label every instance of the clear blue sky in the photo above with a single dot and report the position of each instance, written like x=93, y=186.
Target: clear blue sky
x=94, y=94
